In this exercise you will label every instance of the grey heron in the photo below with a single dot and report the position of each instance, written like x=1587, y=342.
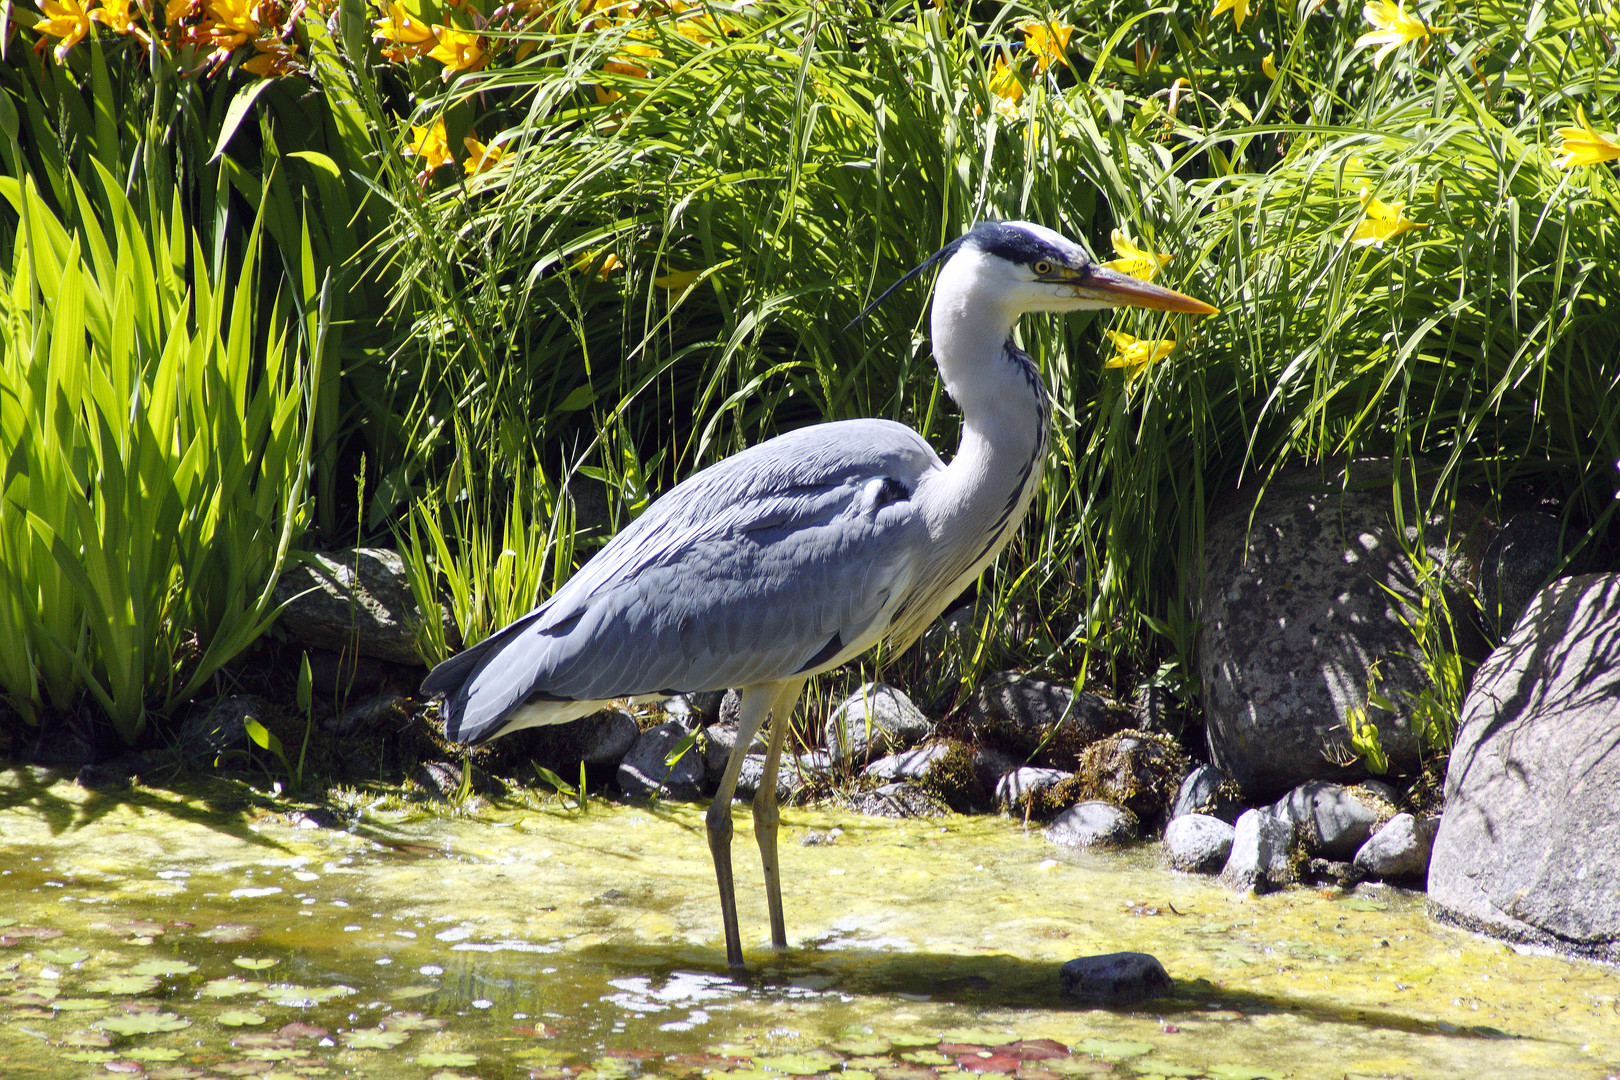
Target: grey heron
x=804, y=551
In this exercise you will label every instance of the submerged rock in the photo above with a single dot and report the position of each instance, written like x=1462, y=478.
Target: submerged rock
x=875, y=720
x=1261, y=853
x=898, y=801
x=1092, y=824
x=1197, y=843
x=645, y=771
x=1399, y=850
x=1529, y=845
x=1114, y=979
x=1297, y=603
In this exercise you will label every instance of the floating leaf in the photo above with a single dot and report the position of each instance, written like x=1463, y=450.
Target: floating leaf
x=859, y=1044
x=92, y=1057
x=978, y=1036
x=1243, y=1072
x=1113, y=1048
x=79, y=1004
x=85, y=1038
x=406, y=993
x=925, y=1057
x=447, y=1060
x=143, y=1023
x=63, y=956
x=163, y=967
x=256, y=963
x=232, y=933
x=1156, y=1067
x=296, y=996
x=230, y=987
x=412, y=1021
x=800, y=1064
x=123, y=984
x=240, y=1018
x=373, y=1039
x=151, y=1053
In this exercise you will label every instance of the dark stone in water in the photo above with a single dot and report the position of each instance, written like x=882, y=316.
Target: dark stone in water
x=1121, y=978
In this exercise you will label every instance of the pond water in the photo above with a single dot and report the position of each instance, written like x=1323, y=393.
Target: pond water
x=205, y=934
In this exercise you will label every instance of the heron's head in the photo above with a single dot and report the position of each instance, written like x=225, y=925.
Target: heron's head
x=1022, y=266
x=1015, y=267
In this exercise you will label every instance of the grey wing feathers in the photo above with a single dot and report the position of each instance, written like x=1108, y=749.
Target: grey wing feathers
x=761, y=566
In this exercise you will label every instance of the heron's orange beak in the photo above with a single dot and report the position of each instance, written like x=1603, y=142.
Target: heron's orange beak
x=1112, y=287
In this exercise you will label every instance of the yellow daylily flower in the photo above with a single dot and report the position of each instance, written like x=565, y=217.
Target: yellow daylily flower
x=1135, y=354
x=274, y=58
x=484, y=158
x=1133, y=260
x=624, y=63
x=1005, y=88
x=609, y=263
x=234, y=23
x=117, y=16
x=431, y=146
x=457, y=50
x=1584, y=145
x=1048, y=41
x=677, y=280
x=1238, y=8
x=1394, y=27
x=411, y=35
x=1268, y=66
x=1381, y=221
x=65, y=19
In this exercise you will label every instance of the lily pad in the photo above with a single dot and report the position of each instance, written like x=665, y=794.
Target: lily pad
x=230, y=987
x=1156, y=1067
x=232, y=933
x=256, y=963
x=85, y=1038
x=163, y=967
x=799, y=1064
x=240, y=1018
x=412, y=1021
x=862, y=1044
x=1113, y=1049
x=151, y=1053
x=303, y=996
x=79, y=1004
x=63, y=956
x=373, y=1039
x=448, y=1059
x=1243, y=1072
x=925, y=1057
x=124, y=984
x=92, y=1057
x=143, y=1023
x=977, y=1036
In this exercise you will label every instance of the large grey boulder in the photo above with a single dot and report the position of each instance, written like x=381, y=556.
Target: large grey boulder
x=875, y=720
x=1529, y=844
x=357, y=601
x=1517, y=563
x=1297, y=606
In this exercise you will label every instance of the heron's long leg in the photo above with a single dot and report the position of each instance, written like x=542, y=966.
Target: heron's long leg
x=766, y=815
x=754, y=702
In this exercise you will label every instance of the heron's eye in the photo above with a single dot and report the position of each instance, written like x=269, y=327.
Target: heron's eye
x=1042, y=268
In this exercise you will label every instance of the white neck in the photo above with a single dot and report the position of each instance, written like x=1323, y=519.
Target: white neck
x=1004, y=415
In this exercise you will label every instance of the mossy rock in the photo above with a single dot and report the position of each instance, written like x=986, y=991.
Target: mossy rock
x=1137, y=770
